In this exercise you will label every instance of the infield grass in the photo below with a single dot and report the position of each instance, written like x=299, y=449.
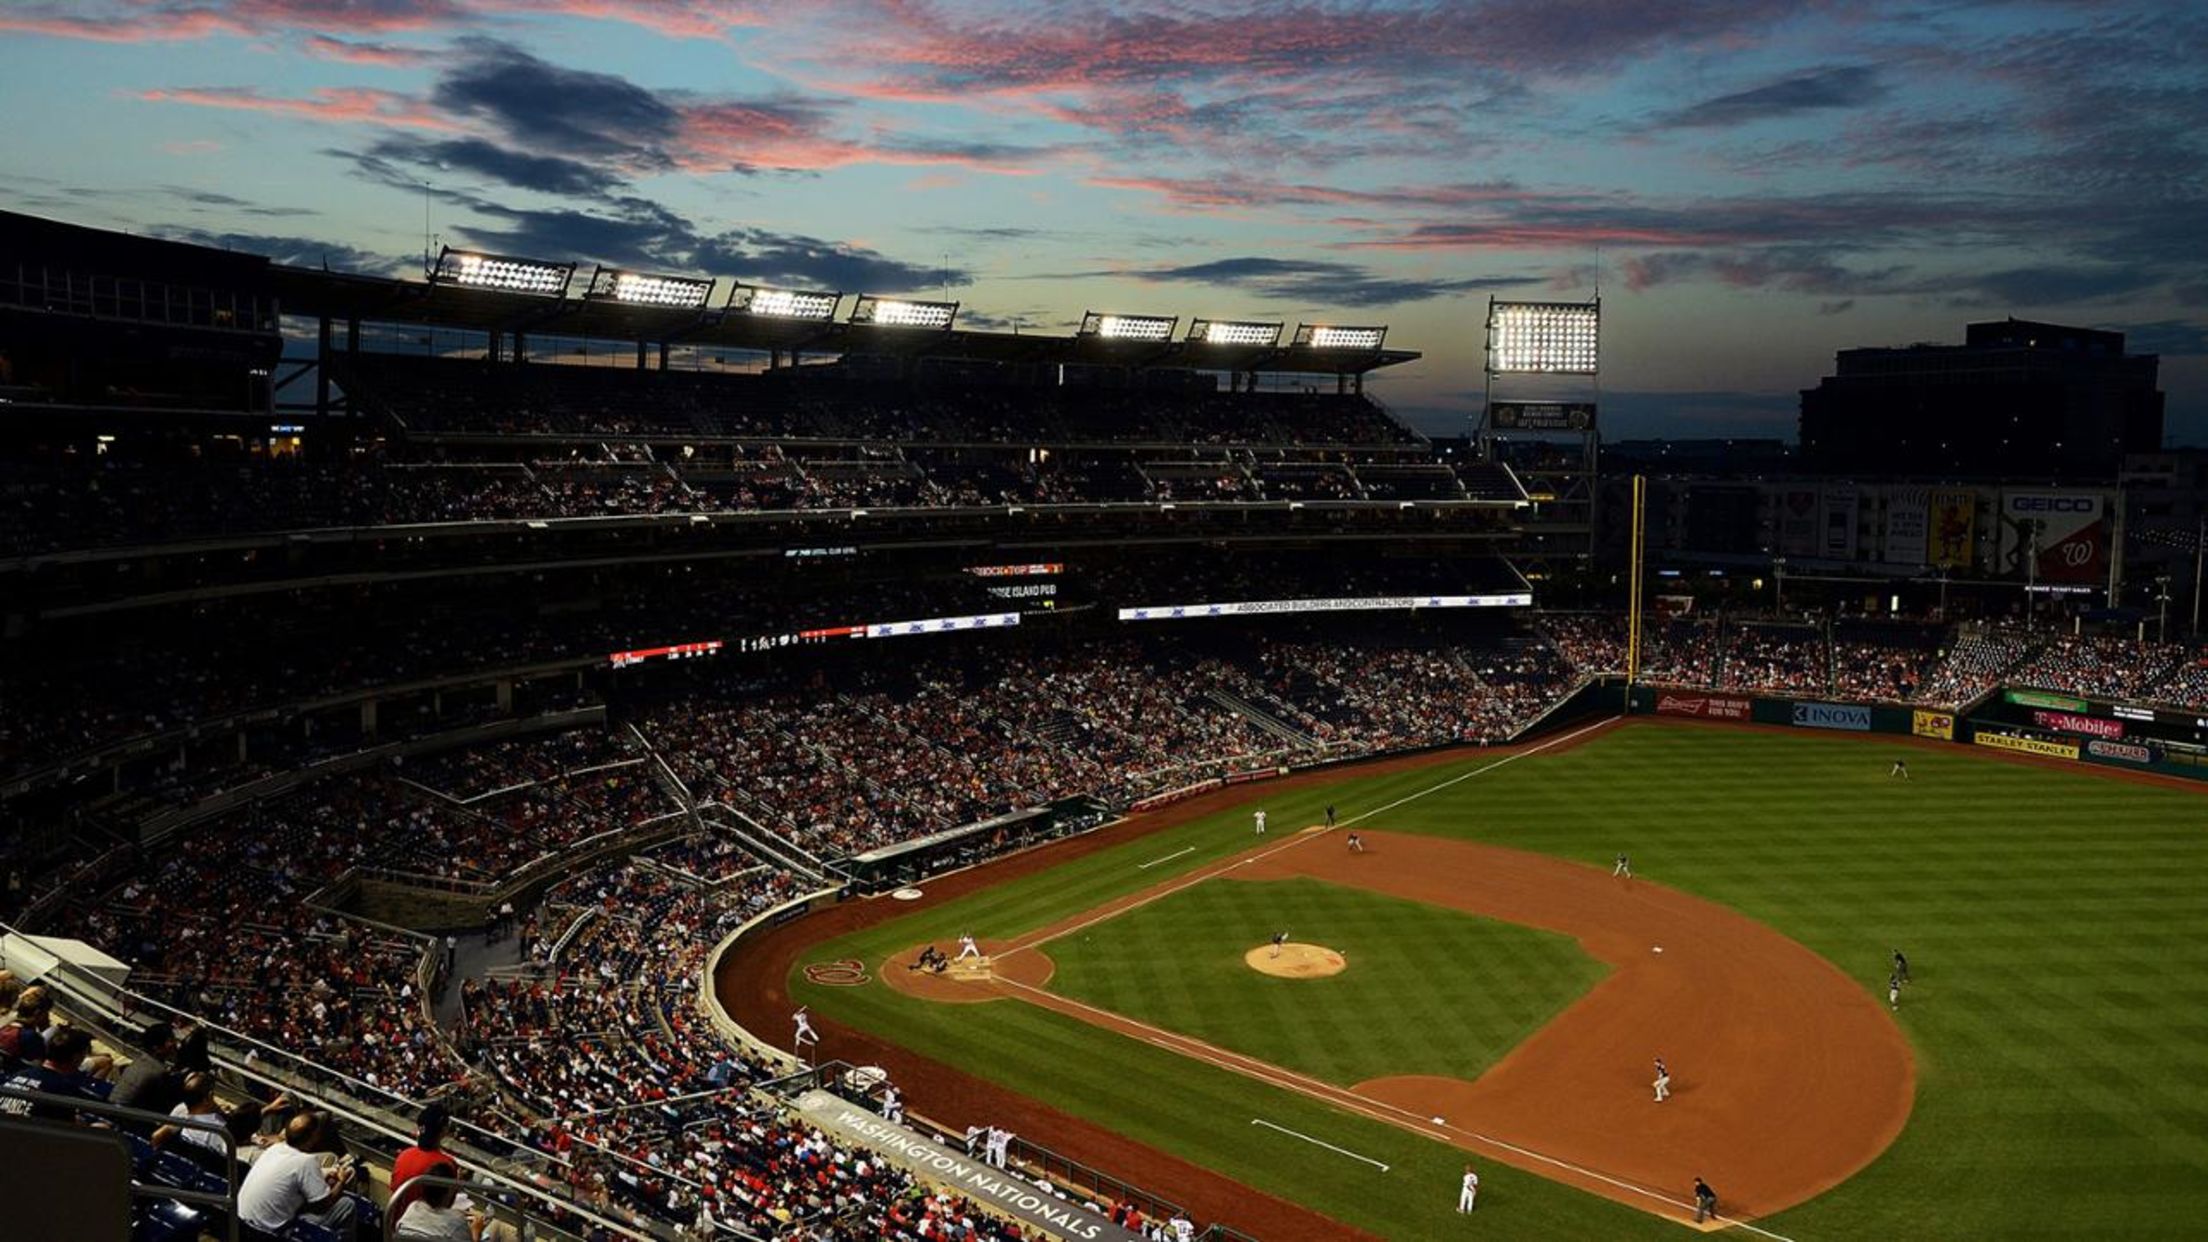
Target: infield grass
x=2054, y=920
x=1427, y=990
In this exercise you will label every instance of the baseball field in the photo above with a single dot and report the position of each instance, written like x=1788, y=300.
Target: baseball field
x=1475, y=985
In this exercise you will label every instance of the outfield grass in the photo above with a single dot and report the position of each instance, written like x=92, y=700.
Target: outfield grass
x=2053, y=919
x=1427, y=991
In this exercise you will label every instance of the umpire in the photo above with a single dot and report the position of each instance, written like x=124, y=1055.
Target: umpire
x=1705, y=1201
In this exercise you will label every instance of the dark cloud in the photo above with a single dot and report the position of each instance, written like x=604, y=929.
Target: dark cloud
x=1823, y=90
x=1317, y=282
x=1841, y=307
x=293, y=251
x=791, y=258
x=546, y=174
x=228, y=202
x=550, y=107
x=2059, y=285
x=2171, y=338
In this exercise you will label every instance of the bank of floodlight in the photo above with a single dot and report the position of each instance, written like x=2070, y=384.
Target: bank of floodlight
x=505, y=273
x=900, y=313
x=1233, y=332
x=1556, y=338
x=609, y=284
x=1129, y=327
x=1331, y=336
x=783, y=303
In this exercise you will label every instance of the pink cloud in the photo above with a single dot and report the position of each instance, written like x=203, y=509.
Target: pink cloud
x=345, y=105
x=715, y=137
x=324, y=47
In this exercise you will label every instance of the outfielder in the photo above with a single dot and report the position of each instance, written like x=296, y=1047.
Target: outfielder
x=1893, y=992
x=1901, y=966
x=1260, y=817
x=1663, y=1081
x=1624, y=867
x=1900, y=769
x=967, y=948
x=1470, y=1192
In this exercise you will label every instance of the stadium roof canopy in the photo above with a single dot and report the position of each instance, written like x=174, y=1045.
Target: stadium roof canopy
x=378, y=299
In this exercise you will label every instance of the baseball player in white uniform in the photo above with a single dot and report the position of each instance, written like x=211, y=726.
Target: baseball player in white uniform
x=1663, y=1081
x=1279, y=938
x=1470, y=1193
x=805, y=1033
x=1624, y=867
x=967, y=948
x=1260, y=818
x=893, y=1104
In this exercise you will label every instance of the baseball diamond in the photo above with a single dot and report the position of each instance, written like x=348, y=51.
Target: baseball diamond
x=1773, y=902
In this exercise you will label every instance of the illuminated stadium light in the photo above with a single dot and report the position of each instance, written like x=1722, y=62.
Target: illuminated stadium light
x=638, y=289
x=1233, y=332
x=501, y=272
x=1328, y=336
x=1557, y=338
x=1129, y=327
x=783, y=303
x=897, y=313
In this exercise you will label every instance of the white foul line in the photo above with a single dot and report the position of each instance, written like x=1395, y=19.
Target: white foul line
x=1344, y=1151
x=1465, y=776
x=1168, y=858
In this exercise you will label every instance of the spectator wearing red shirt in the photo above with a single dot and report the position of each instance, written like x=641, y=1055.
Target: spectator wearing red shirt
x=427, y=1155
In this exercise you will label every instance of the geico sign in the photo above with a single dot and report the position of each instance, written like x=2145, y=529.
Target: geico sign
x=2054, y=504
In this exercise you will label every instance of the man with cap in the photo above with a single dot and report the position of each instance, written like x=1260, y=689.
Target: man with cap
x=427, y=1155
x=151, y=1081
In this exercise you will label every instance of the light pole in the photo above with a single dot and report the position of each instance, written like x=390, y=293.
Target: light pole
x=1778, y=584
x=2162, y=599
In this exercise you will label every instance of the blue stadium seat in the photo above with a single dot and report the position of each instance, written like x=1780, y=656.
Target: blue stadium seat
x=167, y=1222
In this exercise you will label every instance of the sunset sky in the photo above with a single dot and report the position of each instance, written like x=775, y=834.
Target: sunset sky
x=1755, y=184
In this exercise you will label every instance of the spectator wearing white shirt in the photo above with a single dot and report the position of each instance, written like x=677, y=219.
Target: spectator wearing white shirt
x=288, y=1184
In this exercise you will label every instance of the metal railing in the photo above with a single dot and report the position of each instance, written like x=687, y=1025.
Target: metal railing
x=524, y=1224
x=226, y=1203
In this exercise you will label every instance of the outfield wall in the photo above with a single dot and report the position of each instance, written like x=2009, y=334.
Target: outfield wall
x=2014, y=722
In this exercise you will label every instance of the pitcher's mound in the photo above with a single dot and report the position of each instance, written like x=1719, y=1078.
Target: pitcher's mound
x=1296, y=961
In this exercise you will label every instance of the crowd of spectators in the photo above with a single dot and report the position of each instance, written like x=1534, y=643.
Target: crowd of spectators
x=1775, y=659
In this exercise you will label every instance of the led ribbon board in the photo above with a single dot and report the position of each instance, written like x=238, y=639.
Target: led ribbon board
x=1370, y=603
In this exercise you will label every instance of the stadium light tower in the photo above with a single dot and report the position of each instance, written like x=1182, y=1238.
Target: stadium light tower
x=1233, y=332
x=1544, y=368
x=1146, y=328
x=504, y=273
x=901, y=313
x=783, y=303
x=638, y=289
x=1332, y=336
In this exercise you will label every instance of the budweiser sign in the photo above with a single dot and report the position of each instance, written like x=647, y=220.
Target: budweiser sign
x=1705, y=706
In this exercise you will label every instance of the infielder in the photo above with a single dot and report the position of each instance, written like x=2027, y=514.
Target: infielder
x=1356, y=844
x=1260, y=817
x=1470, y=1193
x=967, y=948
x=1900, y=769
x=1624, y=867
x=1279, y=938
x=1663, y=1081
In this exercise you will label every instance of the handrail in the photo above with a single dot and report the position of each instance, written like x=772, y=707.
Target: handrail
x=227, y=1203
